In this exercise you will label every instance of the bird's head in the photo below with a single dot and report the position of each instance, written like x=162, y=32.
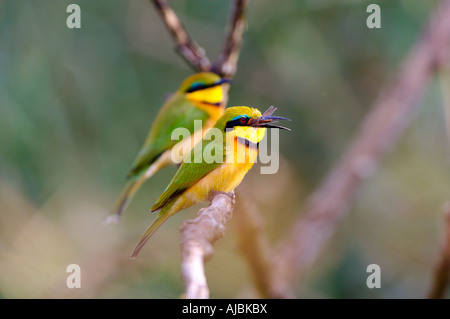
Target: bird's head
x=248, y=123
x=205, y=87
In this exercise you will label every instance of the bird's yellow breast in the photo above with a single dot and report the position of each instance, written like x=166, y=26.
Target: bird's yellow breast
x=240, y=157
x=225, y=178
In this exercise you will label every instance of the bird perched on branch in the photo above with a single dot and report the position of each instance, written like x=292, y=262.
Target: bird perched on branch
x=218, y=163
x=201, y=96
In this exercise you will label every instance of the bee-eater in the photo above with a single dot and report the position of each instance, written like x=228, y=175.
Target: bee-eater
x=241, y=128
x=201, y=96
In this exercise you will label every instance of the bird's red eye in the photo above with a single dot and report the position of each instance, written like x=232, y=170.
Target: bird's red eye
x=243, y=120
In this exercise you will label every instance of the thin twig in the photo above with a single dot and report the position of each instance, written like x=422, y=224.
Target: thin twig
x=195, y=55
x=254, y=245
x=382, y=127
x=197, y=239
x=226, y=64
x=189, y=49
x=444, y=80
x=442, y=270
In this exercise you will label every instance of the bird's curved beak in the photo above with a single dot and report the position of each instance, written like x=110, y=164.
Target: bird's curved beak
x=267, y=119
x=222, y=81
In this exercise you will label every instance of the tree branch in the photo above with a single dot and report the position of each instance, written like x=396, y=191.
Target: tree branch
x=254, y=245
x=442, y=270
x=197, y=239
x=382, y=127
x=195, y=55
x=190, y=50
x=226, y=64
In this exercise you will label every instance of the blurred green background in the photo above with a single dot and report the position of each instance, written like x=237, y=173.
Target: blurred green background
x=76, y=105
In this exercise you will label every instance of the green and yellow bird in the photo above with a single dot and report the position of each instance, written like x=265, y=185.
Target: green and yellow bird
x=201, y=96
x=235, y=140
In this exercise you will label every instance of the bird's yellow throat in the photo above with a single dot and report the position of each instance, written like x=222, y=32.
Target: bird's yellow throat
x=252, y=134
x=212, y=95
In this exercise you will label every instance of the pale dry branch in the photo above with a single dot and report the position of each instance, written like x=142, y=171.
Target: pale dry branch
x=197, y=238
x=442, y=271
x=254, y=245
x=226, y=64
x=388, y=118
x=444, y=80
x=195, y=55
x=189, y=49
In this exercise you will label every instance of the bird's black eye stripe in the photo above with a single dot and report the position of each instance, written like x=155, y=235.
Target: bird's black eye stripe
x=196, y=87
x=241, y=121
x=200, y=86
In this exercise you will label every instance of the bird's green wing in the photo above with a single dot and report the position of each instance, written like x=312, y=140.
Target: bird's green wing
x=192, y=170
x=176, y=112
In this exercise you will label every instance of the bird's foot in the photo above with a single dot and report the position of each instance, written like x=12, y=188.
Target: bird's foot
x=111, y=219
x=214, y=193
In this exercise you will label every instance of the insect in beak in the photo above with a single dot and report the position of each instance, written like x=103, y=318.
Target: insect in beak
x=267, y=119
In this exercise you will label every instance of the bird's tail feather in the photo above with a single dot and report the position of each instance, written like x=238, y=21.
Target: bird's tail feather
x=128, y=193
x=162, y=217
